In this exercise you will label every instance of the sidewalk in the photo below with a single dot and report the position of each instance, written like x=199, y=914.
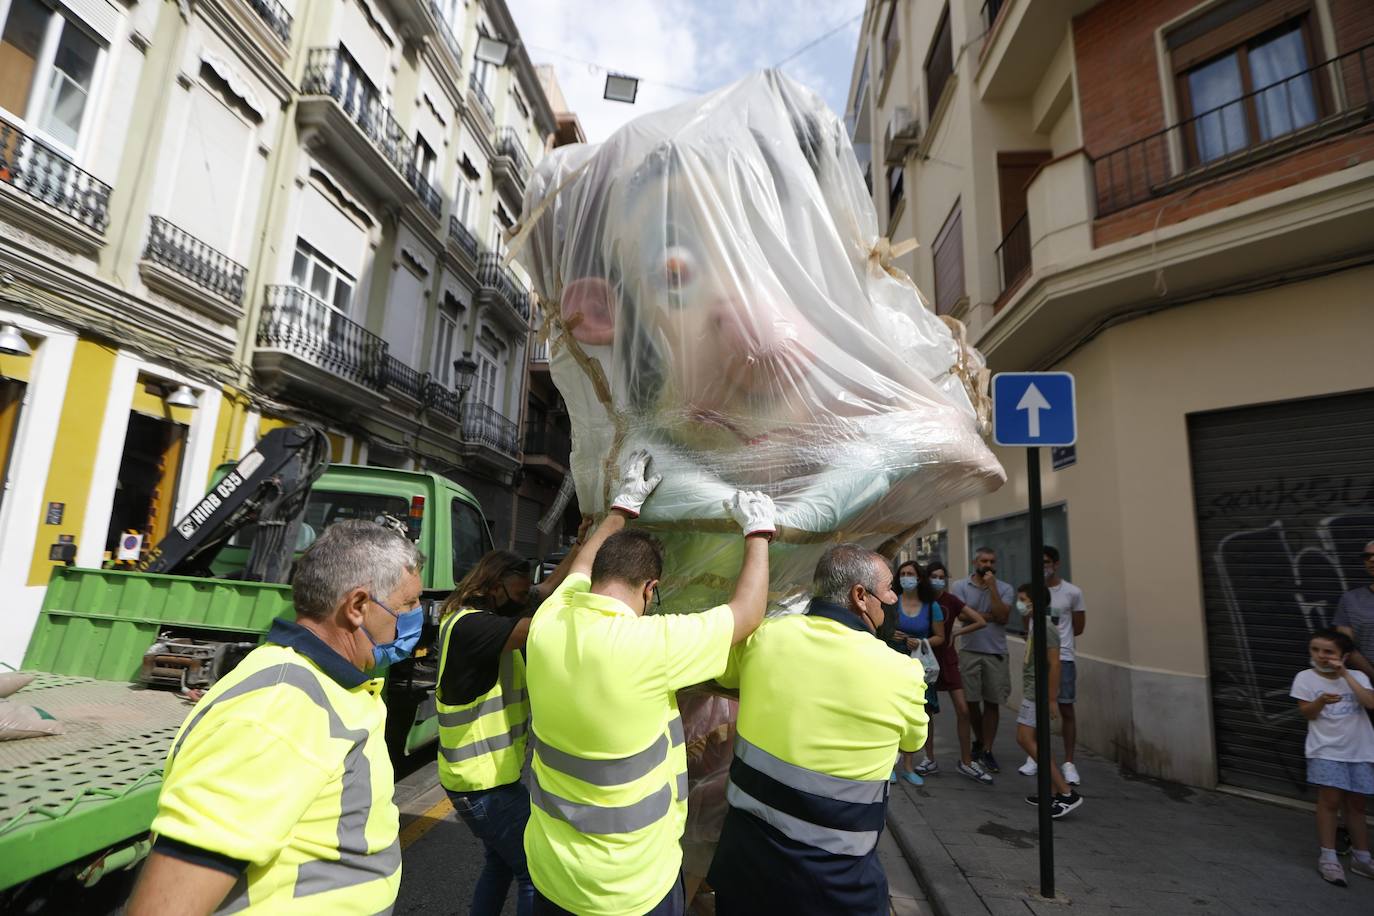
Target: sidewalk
x=1136, y=845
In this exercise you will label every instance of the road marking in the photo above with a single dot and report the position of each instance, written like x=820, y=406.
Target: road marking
x=426, y=822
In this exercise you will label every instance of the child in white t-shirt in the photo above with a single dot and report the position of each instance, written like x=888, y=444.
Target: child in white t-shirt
x=1340, y=748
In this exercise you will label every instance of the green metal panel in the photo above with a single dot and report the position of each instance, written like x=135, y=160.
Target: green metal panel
x=98, y=623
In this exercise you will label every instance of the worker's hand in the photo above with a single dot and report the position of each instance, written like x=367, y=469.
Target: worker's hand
x=635, y=486
x=753, y=511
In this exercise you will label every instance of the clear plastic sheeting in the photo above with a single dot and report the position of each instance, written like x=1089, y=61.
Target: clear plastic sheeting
x=715, y=289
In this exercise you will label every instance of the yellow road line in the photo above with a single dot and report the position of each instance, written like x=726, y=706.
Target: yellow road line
x=426, y=822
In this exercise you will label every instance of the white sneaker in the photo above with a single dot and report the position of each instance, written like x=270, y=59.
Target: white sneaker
x=1028, y=768
x=1070, y=774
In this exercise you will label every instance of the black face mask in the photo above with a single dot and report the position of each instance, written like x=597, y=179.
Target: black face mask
x=509, y=608
x=889, y=625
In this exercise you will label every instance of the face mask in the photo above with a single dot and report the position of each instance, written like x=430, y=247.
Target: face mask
x=409, y=625
x=908, y=583
x=937, y=584
x=1023, y=608
x=1324, y=669
x=1049, y=572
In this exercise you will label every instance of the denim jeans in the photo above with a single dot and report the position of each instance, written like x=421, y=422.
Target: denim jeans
x=497, y=817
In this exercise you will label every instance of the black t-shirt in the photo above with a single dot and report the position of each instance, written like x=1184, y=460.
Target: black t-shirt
x=474, y=655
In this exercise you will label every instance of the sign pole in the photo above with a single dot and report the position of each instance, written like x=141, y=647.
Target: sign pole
x=1040, y=611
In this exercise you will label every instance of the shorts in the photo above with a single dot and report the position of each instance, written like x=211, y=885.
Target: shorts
x=1026, y=714
x=987, y=678
x=1068, y=682
x=1341, y=774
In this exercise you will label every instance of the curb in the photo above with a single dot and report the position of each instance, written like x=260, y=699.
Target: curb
x=946, y=889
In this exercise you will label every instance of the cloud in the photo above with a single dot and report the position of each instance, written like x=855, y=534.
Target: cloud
x=679, y=48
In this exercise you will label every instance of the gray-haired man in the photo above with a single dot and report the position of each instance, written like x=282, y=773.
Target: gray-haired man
x=277, y=790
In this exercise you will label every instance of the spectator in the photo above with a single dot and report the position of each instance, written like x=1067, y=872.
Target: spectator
x=1340, y=748
x=919, y=616
x=950, y=681
x=1065, y=798
x=1066, y=608
x=983, y=655
x=1355, y=617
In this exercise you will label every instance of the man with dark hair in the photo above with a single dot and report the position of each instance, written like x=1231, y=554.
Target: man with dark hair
x=824, y=708
x=1355, y=617
x=983, y=655
x=609, y=773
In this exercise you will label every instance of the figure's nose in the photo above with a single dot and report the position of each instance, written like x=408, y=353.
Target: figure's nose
x=760, y=329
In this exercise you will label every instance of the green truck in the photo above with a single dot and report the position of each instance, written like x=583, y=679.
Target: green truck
x=117, y=656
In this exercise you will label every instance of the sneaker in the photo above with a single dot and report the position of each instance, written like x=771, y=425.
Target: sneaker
x=1029, y=768
x=927, y=767
x=1063, y=804
x=1070, y=773
x=892, y=778
x=990, y=763
x=1332, y=873
x=1033, y=799
x=1364, y=869
x=914, y=778
x=975, y=771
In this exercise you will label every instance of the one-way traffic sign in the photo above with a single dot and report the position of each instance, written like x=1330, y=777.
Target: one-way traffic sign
x=1033, y=408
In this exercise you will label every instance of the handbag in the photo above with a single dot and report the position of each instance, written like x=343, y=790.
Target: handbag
x=924, y=654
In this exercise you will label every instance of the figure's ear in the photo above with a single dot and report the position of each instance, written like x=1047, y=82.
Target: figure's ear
x=588, y=307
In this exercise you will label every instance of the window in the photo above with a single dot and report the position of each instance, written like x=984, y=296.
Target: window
x=486, y=387
x=520, y=105
x=445, y=341
x=11, y=405
x=464, y=198
x=322, y=278
x=1243, y=76
x=939, y=65
x=891, y=39
x=949, y=262
x=47, y=67
x=895, y=178
x=470, y=538
x=424, y=159
x=1010, y=537
x=861, y=88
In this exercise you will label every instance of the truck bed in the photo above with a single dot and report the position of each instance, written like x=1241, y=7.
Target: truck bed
x=69, y=795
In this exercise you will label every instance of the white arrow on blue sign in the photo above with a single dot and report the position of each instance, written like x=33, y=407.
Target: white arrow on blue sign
x=1034, y=408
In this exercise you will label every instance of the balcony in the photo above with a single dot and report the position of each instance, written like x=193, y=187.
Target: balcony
x=275, y=17
x=539, y=355
x=1272, y=121
x=489, y=436
x=462, y=238
x=547, y=449
x=1022, y=39
x=403, y=379
x=75, y=203
x=510, y=167
x=455, y=47
x=341, y=112
x=180, y=265
x=443, y=403
x=427, y=193
x=499, y=286
x=313, y=351
x=1014, y=254
x=477, y=95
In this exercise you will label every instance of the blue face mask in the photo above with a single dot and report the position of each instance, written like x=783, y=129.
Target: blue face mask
x=409, y=625
x=908, y=583
x=937, y=584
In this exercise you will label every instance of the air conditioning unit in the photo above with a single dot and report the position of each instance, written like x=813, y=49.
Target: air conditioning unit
x=903, y=133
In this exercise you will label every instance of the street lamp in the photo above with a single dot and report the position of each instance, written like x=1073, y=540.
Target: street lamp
x=621, y=88
x=465, y=367
x=12, y=343
x=182, y=396
x=492, y=50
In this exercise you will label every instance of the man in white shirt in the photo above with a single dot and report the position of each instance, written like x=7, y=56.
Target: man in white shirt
x=1066, y=603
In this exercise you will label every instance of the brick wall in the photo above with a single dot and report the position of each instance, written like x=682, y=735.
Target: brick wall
x=1121, y=102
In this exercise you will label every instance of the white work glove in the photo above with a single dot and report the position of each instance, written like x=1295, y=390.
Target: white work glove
x=753, y=511
x=634, y=487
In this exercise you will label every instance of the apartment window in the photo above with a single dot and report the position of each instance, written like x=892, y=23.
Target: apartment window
x=939, y=64
x=486, y=386
x=47, y=68
x=463, y=199
x=895, y=179
x=861, y=88
x=1010, y=537
x=892, y=39
x=520, y=105
x=948, y=252
x=424, y=159
x=446, y=341
x=321, y=277
x=1242, y=73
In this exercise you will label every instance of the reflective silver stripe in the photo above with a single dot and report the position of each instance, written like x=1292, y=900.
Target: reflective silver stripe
x=473, y=713
x=839, y=842
x=682, y=786
x=595, y=819
x=484, y=745
x=856, y=791
x=355, y=864
x=613, y=772
x=675, y=730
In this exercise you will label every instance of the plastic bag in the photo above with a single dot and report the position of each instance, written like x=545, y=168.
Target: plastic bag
x=924, y=654
x=714, y=288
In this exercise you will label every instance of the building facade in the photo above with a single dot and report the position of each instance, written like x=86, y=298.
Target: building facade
x=1174, y=201
x=230, y=215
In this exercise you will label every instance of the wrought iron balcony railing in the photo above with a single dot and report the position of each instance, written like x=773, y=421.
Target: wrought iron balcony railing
x=427, y=192
x=276, y=17
x=1330, y=98
x=480, y=94
x=508, y=144
x=296, y=322
x=328, y=71
x=45, y=175
x=492, y=275
x=403, y=378
x=541, y=439
x=539, y=351
x=463, y=237
x=1014, y=254
x=444, y=400
x=450, y=40
x=483, y=425
x=179, y=251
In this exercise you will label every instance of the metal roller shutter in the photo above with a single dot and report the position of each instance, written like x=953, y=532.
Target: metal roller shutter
x=528, y=512
x=1284, y=499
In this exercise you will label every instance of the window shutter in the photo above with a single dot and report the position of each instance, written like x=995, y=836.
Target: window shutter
x=949, y=262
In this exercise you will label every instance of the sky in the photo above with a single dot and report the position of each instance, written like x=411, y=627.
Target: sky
x=678, y=48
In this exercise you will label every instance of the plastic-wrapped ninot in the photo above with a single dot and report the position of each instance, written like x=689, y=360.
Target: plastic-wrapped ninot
x=715, y=289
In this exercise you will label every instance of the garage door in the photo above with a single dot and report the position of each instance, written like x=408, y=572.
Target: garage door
x=1284, y=497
